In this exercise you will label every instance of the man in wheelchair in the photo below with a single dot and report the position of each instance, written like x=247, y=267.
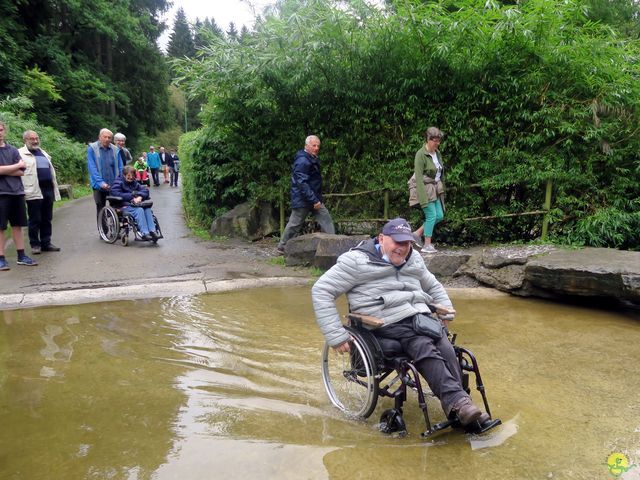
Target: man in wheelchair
x=384, y=278
x=133, y=195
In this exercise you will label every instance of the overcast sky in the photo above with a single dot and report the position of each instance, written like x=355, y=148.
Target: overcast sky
x=222, y=11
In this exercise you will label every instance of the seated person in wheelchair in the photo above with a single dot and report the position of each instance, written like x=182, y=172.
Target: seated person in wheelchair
x=133, y=194
x=385, y=278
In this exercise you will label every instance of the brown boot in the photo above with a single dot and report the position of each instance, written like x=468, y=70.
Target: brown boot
x=466, y=411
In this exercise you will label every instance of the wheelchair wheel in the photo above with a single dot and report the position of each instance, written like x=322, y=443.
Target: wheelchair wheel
x=350, y=380
x=108, y=224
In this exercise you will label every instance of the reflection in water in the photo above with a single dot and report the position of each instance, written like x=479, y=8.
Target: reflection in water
x=229, y=386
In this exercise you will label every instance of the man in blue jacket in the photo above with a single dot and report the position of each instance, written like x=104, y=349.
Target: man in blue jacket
x=105, y=164
x=306, y=192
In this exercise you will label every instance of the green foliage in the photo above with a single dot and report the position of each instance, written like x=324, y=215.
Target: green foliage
x=86, y=65
x=68, y=156
x=181, y=39
x=524, y=93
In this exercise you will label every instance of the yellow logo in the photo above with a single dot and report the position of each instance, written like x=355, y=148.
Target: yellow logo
x=618, y=463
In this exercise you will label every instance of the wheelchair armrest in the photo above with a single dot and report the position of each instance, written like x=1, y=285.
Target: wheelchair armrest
x=112, y=198
x=365, y=319
x=441, y=309
x=146, y=204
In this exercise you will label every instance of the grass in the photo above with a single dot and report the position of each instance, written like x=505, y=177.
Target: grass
x=79, y=191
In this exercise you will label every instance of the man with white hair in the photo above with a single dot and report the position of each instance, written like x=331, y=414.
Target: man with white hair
x=41, y=191
x=104, y=164
x=306, y=192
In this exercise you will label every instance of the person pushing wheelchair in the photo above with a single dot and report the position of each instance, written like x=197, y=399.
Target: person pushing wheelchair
x=133, y=194
x=384, y=278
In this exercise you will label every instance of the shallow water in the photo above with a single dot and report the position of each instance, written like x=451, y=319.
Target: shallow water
x=229, y=386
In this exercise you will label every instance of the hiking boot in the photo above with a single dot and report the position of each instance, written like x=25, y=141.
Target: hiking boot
x=146, y=237
x=466, y=411
x=36, y=250
x=280, y=250
x=24, y=260
x=428, y=249
x=48, y=248
x=4, y=265
x=154, y=236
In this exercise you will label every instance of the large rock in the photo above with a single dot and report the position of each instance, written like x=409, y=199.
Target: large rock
x=593, y=272
x=319, y=249
x=247, y=220
x=447, y=262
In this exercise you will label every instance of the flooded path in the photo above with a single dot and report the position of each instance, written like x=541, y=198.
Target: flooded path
x=229, y=386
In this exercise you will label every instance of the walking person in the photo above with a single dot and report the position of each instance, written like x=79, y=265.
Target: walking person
x=41, y=191
x=306, y=192
x=153, y=160
x=426, y=187
x=104, y=164
x=173, y=163
x=164, y=157
x=13, y=209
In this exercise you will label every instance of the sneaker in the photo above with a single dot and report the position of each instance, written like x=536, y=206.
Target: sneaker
x=49, y=248
x=428, y=249
x=36, y=250
x=146, y=237
x=154, y=236
x=466, y=411
x=24, y=260
x=417, y=239
x=4, y=265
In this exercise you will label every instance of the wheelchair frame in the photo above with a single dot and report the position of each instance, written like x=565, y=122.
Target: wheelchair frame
x=114, y=224
x=354, y=382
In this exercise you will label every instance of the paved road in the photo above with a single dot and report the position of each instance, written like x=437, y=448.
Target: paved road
x=88, y=269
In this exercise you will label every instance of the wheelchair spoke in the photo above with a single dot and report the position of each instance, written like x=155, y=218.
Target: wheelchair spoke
x=350, y=380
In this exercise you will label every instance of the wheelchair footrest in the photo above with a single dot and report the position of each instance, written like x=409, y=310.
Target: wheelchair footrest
x=438, y=427
x=477, y=427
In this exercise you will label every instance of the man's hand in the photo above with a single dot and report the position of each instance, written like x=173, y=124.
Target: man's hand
x=316, y=206
x=104, y=186
x=19, y=168
x=342, y=348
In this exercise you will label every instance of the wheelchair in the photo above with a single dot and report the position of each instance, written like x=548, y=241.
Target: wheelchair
x=114, y=224
x=354, y=382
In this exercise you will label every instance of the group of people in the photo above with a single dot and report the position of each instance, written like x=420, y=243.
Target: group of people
x=109, y=174
x=385, y=277
x=427, y=195
x=28, y=188
x=167, y=162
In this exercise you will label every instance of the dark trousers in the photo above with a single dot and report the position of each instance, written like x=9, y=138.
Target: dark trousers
x=435, y=360
x=100, y=197
x=173, y=176
x=155, y=177
x=40, y=215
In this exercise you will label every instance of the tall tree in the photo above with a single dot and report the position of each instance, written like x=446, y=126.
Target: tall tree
x=232, y=32
x=181, y=39
x=101, y=58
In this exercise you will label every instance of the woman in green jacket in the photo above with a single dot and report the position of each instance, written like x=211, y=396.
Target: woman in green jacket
x=428, y=166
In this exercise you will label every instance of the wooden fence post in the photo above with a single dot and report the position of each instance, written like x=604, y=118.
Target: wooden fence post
x=547, y=208
x=386, y=205
x=281, y=205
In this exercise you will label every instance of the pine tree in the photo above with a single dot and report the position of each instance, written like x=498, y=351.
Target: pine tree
x=181, y=40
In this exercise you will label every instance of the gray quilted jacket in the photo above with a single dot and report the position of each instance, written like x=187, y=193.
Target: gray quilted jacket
x=374, y=287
